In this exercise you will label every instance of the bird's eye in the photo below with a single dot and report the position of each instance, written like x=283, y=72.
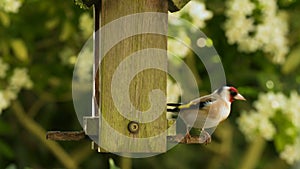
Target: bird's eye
x=233, y=93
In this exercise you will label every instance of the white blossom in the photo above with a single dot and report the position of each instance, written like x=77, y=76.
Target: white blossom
x=291, y=153
x=239, y=7
x=268, y=35
x=268, y=103
x=173, y=19
x=254, y=125
x=17, y=81
x=10, y=5
x=20, y=79
x=196, y=10
x=249, y=45
x=269, y=7
x=198, y=14
x=178, y=48
x=11, y=93
x=260, y=122
x=241, y=29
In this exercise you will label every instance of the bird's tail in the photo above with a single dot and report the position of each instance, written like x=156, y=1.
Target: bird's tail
x=174, y=107
x=174, y=104
x=173, y=110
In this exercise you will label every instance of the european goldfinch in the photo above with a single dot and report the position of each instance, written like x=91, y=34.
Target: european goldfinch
x=208, y=111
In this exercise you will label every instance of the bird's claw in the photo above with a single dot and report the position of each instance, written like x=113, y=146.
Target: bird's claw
x=206, y=137
x=187, y=137
x=203, y=138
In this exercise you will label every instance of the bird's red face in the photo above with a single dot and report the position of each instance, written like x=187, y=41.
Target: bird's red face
x=234, y=94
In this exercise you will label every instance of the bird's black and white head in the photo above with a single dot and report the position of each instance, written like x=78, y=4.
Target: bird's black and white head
x=229, y=93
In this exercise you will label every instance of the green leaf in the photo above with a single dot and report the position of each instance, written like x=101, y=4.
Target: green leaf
x=84, y=4
x=5, y=150
x=20, y=49
x=292, y=61
x=11, y=166
x=67, y=31
x=5, y=128
x=286, y=131
x=4, y=18
x=52, y=23
x=28, y=168
x=112, y=164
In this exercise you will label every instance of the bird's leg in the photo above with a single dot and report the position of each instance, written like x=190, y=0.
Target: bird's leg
x=187, y=135
x=207, y=137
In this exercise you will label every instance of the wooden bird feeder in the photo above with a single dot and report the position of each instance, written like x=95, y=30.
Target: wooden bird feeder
x=140, y=86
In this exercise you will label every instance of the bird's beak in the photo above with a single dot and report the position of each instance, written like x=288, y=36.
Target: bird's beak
x=239, y=97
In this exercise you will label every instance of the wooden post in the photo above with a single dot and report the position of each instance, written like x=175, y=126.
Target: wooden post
x=144, y=137
x=132, y=135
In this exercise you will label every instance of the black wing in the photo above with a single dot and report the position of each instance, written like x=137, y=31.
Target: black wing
x=176, y=107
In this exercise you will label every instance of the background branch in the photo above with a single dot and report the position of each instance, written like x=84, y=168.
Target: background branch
x=253, y=154
x=36, y=130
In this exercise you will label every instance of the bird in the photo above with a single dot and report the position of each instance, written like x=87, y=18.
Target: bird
x=208, y=111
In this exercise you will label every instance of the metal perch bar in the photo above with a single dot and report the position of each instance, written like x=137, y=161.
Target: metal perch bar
x=66, y=135
x=80, y=135
x=185, y=140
